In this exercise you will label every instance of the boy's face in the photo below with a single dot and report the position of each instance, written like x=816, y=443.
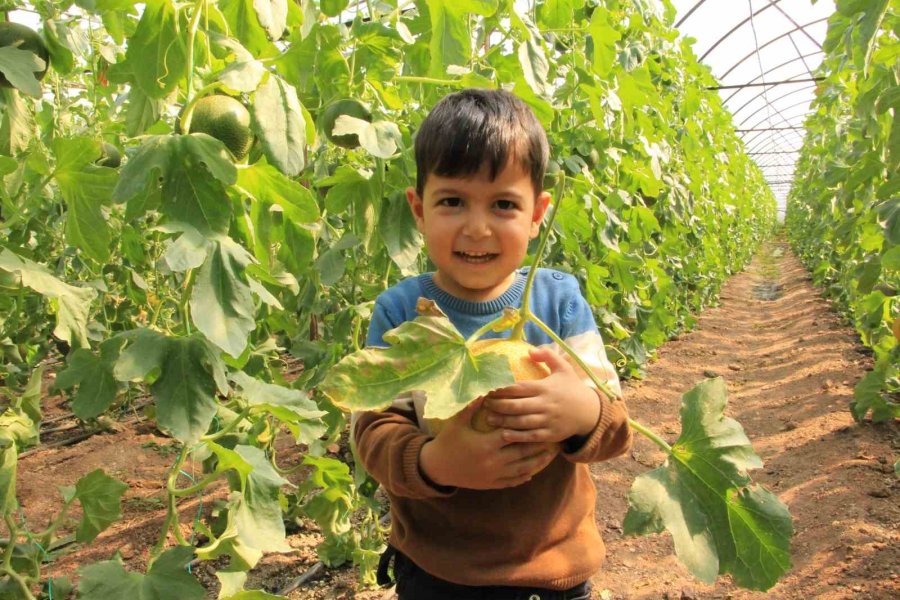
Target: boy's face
x=476, y=230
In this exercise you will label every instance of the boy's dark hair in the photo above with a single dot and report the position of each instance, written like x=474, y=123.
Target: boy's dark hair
x=472, y=128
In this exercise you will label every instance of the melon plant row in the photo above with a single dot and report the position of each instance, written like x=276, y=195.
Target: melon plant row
x=198, y=192
x=843, y=213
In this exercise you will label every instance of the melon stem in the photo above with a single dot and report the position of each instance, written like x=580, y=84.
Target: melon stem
x=518, y=332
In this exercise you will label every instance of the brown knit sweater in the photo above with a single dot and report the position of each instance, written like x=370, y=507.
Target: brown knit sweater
x=539, y=534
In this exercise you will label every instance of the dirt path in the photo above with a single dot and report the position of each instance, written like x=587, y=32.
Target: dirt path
x=790, y=365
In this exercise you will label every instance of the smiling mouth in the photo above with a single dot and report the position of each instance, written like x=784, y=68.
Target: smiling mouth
x=476, y=257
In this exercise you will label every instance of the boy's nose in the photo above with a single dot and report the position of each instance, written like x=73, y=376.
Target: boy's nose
x=476, y=228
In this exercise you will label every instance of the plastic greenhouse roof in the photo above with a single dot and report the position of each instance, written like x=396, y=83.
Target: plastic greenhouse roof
x=764, y=54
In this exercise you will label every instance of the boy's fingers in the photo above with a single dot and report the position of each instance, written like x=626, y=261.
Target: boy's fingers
x=518, y=436
x=550, y=357
x=529, y=421
x=514, y=406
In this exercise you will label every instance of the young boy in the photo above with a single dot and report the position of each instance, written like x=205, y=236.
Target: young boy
x=510, y=513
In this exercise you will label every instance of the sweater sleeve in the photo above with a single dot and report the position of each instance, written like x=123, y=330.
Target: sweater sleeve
x=612, y=435
x=388, y=444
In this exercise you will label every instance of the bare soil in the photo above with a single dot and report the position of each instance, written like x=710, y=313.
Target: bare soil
x=790, y=363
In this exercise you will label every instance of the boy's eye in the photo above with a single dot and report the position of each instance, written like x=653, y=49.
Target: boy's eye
x=505, y=205
x=451, y=201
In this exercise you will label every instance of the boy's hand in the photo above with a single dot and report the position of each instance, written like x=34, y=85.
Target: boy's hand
x=552, y=409
x=461, y=457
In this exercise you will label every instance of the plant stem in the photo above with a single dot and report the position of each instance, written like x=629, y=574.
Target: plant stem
x=188, y=113
x=485, y=328
x=192, y=34
x=228, y=428
x=431, y=80
x=518, y=332
x=22, y=583
x=185, y=298
x=46, y=536
x=197, y=487
x=171, y=509
x=13, y=535
x=649, y=434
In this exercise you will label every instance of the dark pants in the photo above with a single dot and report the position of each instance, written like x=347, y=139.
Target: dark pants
x=415, y=584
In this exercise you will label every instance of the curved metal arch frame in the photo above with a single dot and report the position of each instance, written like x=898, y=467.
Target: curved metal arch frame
x=793, y=60
x=758, y=142
x=772, y=101
x=784, y=109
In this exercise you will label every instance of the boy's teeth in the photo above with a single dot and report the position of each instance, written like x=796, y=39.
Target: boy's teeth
x=476, y=256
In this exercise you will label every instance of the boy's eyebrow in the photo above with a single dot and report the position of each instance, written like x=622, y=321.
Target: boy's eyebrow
x=508, y=193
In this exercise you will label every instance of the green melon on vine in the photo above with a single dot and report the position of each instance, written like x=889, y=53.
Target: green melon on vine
x=225, y=119
x=338, y=108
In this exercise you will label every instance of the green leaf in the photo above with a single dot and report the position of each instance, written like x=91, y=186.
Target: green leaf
x=156, y=53
x=296, y=403
x=889, y=218
x=535, y=66
x=557, y=14
x=426, y=354
x=8, y=464
x=190, y=372
x=258, y=517
x=58, y=36
x=450, y=37
x=604, y=36
x=293, y=203
x=253, y=22
x=188, y=251
x=221, y=303
x=398, y=231
x=278, y=121
x=97, y=387
x=192, y=170
x=30, y=400
x=868, y=396
x=71, y=304
x=167, y=578
x=243, y=76
x=19, y=67
x=380, y=138
x=332, y=8
x=332, y=507
x=17, y=124
x=17, y=427
x=85, y=188
x=265, y=184
x=254, y=514
x=101, y=503
x=703, y=496
x=142, y=111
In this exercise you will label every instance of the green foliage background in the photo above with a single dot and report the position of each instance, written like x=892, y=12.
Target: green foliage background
x=843, y=215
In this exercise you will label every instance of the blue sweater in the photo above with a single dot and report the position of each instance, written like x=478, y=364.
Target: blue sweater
x=555, y=299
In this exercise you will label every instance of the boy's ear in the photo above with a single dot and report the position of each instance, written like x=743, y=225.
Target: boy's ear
x=416, y=206
x=540, y=208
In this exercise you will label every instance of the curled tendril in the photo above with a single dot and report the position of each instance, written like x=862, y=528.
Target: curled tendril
x=622, y=361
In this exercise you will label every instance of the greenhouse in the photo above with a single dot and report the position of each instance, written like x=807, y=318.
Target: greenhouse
x=426, y=299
